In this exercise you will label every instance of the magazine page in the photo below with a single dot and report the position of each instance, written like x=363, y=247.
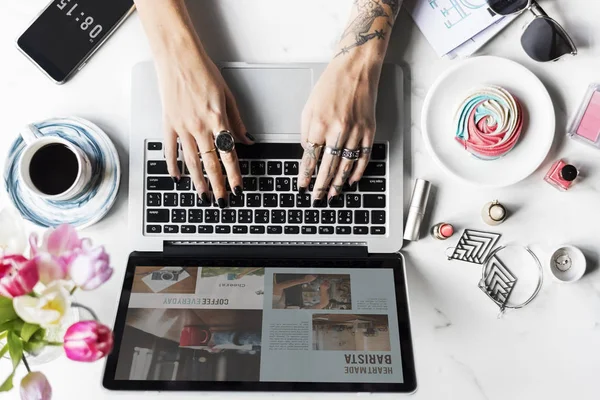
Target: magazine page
x=261, y=324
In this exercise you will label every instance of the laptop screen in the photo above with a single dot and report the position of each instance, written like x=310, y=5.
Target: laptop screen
x=257, y=324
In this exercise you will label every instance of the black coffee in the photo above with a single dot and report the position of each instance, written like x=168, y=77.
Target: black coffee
x=53, y=169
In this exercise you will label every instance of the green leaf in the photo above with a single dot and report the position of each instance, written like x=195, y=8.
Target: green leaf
x=7, y=311
x=15, y=326
x=28, y=330
x=8, y=383
x=4, y=350
x=3, y=334
x=15, y=349
x=38, y=336
x=34, y=347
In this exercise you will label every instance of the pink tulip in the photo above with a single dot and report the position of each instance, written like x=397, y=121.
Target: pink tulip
x=90, y=268
x=56, y=252
x=35, y=386
x=18, y=275
x=88, y=341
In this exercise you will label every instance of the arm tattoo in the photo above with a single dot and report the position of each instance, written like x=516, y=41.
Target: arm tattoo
x=368, y=12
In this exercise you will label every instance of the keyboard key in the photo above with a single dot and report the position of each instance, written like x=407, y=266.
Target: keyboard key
x=311, y=185
x=309, y=230
x=257, y=167
x=171, y=229
x=360, y=230
x=244, y=168
x=290, y=168
x=378, y=230
x=245, y=216
x=311, y=217
x=282, y=184
x=274, y=230
x=348, y=188
x=156, y=167
x=178, y=215
x=185, y=183
x=328, y=217
x=261, y=216
x=153, y=200
x=269, y=200
x=326, y=230
x=153, y=229
x=278, y=216
x=201, y=203
x=371, y=185
x=294, y=216
x=303, y=200
x=170, y=199
x=154, y=146
x=205, y=229
x=157, y=215
x=342, y=230
x=160, y=183
x=294, y=184
x=266, y=184
x=353, y=200
x=253, y=200
x=378, y=217
x=228, y=216
x=195, y=215
x=374, y=201
x=361, y=217
x=223, y=229
x=320, y=203
x=237, y=201
x=257, y=230
x=286, y=200
x=240, y=229
x=211, y=216
x=250, y=184
x=337, y=202
x=375, y=169
x=274, y=168
x=258, y=151
x=188, y=229
x=291, y=230
x=344, y=217
x=379, y=151
x=187, y=199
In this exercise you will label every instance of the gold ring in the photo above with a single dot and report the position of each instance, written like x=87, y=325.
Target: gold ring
x=209, y=151
x=314, y=145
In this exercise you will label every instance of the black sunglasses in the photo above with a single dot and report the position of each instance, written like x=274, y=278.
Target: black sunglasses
x=543, y=39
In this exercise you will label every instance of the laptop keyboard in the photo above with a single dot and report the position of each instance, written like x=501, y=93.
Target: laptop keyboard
x=270, y=204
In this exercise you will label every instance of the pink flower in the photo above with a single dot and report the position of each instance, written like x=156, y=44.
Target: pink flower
x=18, y=275
x=90, y=268
x=88, y=341
x=58, y=249
x=35, y=386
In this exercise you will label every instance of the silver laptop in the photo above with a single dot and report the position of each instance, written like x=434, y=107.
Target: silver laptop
x=271, y=211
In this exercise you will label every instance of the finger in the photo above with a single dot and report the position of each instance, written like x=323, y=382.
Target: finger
x=345, y=168
x=232, y=168
x=305, y=126
x=212, y=165
x=363, y=160
x=307, y=166
x=327, y=170
x=194, y=165
x=238, y=128
x=171, y=146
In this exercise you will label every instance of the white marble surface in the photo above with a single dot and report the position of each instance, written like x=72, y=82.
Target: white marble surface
x=549, y=350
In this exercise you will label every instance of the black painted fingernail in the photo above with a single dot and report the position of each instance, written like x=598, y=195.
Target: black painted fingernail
x=332, y=199
x=249, y=136
x=317, y=202
x=302, y=190
x=222, y=203
x=175, y=179
x=204, y=198
x=237, y=190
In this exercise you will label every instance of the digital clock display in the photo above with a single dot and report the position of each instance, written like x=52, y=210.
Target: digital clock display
x=67, y=31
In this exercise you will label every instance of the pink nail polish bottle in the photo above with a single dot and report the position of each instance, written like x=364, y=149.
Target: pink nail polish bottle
x=562, y=175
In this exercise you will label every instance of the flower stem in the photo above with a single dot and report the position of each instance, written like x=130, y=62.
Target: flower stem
x=54, y=343
x=73, y=290
x=25, y=363
x=93, y=314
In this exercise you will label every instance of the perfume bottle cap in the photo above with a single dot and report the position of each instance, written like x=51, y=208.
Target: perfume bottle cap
x=569, y=173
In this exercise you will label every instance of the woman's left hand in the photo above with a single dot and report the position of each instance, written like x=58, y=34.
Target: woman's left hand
x=339, y=116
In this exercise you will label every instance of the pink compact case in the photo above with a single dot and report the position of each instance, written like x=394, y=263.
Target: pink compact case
x=586, y=125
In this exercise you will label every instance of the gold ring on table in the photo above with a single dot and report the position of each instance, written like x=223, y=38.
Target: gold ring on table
x=313, y=145
x=209, y=151
x=333, y=151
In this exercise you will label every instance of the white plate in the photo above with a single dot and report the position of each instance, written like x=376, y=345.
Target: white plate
x=446, y=95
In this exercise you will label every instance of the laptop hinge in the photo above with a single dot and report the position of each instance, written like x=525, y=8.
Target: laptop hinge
x=255, y=249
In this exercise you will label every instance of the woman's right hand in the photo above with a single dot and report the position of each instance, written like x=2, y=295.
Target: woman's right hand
x=197, y=105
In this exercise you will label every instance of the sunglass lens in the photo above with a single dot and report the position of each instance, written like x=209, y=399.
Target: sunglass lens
x=544, y=40
x=507, y=7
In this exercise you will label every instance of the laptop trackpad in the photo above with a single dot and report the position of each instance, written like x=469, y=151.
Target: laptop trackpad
x=270, y=100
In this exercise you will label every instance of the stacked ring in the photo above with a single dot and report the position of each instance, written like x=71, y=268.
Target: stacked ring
x=333, y=151
x=351, y=155
x=313, y=145
x=206, y=152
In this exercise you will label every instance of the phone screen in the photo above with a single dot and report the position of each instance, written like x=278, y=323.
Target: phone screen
x=67, y=31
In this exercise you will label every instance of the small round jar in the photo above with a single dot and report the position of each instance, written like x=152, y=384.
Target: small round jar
x=494, y=213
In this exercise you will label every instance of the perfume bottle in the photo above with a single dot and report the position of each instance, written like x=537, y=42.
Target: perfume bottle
x=561, y=175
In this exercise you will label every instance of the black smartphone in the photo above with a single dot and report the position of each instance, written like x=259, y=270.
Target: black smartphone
x=66, y=34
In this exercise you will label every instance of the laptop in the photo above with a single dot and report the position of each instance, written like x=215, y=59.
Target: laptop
x=271, y=293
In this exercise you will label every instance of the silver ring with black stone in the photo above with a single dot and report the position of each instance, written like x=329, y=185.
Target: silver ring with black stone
x=224, y=142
